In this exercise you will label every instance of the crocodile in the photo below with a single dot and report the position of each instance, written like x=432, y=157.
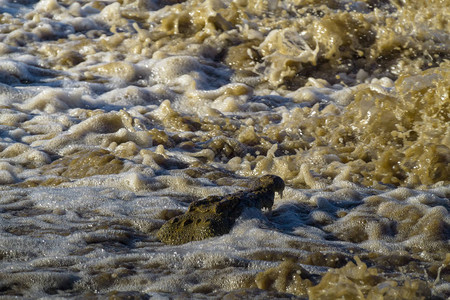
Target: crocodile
x=215, y=215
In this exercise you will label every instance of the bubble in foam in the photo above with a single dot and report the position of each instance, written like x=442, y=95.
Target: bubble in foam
x=6, y=177
x=168, y=69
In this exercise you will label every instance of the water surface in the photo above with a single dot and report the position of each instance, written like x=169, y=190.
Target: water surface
x=115, y=115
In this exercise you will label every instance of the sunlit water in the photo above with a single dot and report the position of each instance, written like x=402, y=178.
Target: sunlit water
x=115, y=115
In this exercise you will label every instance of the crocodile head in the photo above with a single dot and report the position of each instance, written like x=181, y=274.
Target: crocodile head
x=272, y=183
x=215, y=215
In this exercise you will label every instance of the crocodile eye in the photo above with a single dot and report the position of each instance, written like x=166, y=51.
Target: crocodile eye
x=175, y=220
x=199, y=221
x=187, y=222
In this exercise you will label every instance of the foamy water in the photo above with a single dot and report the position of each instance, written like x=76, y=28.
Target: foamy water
x=115, y=115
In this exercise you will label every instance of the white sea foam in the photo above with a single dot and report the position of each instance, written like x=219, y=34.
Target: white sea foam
x=116, y=115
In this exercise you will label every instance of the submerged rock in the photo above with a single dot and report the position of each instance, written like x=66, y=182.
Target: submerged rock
x=215, y=215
